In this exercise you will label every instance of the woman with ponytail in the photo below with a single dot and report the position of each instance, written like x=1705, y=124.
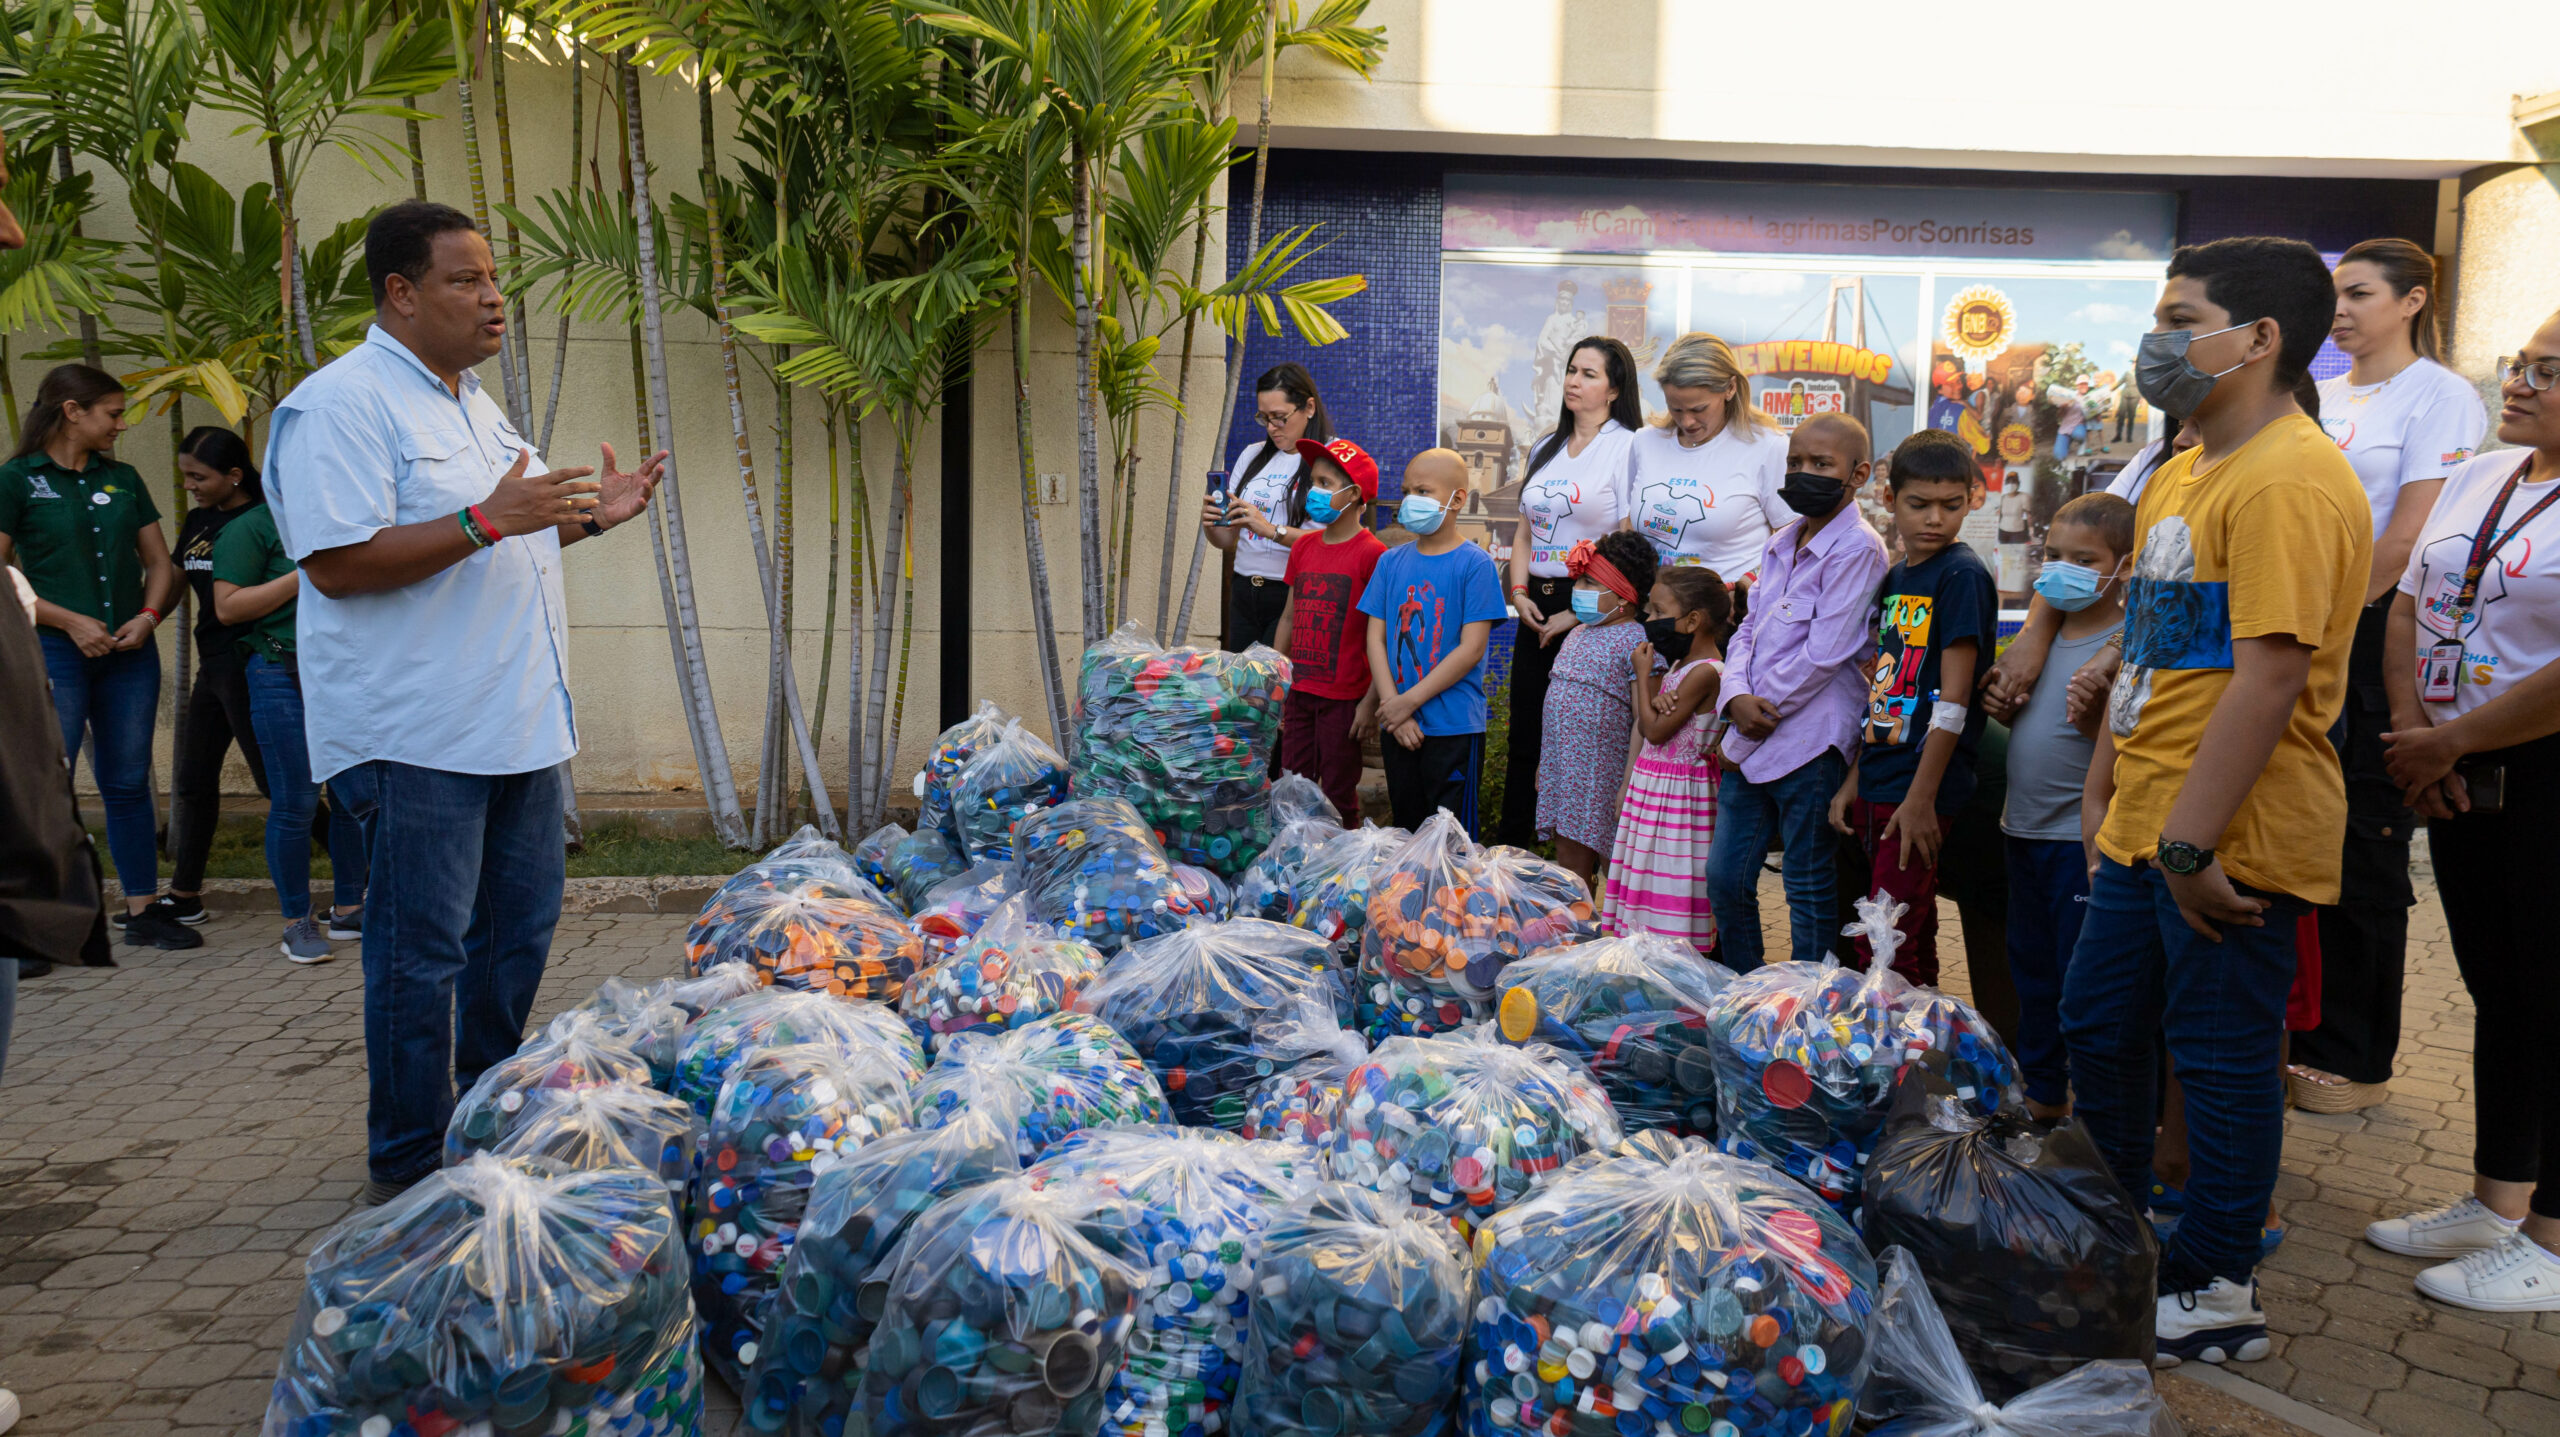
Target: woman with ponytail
x=1575, y=491
x=2405, y=422
x=222, y=483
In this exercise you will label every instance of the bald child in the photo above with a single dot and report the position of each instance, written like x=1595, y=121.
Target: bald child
x=1795, y=691
x=1435, y=601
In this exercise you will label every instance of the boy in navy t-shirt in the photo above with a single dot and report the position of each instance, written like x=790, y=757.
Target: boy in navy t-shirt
x=1937, y=622
x=1435, y=601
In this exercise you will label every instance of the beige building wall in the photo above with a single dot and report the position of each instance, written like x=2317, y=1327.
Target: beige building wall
x=2182, y=87
x=631, y=725
x=2074, y=90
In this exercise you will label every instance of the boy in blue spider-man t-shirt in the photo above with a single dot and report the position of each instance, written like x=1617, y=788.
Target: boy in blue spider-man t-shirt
x=1436, y=601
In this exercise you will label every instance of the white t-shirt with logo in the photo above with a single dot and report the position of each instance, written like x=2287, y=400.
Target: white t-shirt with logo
x=1713, y=506
x=1576, y=497
x=2513, y=627
x=1267, y=491
x=2416, y=425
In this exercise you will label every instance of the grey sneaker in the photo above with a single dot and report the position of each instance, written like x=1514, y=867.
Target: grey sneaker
x=346, y=927
x=305, y=943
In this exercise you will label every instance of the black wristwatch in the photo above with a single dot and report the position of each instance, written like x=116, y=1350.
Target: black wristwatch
x=2183, y=859
x=594, y=529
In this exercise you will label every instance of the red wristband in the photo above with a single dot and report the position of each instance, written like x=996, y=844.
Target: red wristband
x=157, y=618
x=483, y=521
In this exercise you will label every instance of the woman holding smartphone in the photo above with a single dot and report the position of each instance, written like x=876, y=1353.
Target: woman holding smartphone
x=1263, y=509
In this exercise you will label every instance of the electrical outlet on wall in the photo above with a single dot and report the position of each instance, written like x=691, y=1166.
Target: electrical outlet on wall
x=1053, y=488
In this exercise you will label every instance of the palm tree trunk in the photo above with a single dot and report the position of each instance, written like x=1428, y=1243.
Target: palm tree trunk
x=1252, y=245
x=297, y=302
x=1044, y=623
x=857, y=680
x=577, y=157
x=468, y=46
x=782, y=525
x=522, y=355
x=1089, y=511
x=746, y=453
x=719, y=781
x=417, y=154
x=885, y=719
x=1125, y=475
x=1173, y=488
x=827, y=630
x=906, y=609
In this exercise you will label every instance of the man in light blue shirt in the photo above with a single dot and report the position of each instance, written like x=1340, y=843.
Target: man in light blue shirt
x=432, y=641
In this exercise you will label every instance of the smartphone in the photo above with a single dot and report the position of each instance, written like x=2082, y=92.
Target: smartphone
x=2485, y=785
x=1217, y=481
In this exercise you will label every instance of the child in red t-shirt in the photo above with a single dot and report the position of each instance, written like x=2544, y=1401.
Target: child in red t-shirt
x=1331, y=706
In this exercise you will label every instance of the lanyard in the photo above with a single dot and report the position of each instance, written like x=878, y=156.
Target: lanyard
x=2484, y=548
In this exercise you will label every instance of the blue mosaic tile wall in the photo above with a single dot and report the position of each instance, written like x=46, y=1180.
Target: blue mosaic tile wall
x=1377, y=216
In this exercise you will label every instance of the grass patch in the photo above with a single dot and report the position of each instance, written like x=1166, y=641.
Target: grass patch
x=613, y=850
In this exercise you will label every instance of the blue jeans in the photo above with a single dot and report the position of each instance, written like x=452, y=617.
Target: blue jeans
x=467, y=876
x=1796, y=809
x=2141, y=975
x=2048, y=896
x=116, y=697
x=275, y=708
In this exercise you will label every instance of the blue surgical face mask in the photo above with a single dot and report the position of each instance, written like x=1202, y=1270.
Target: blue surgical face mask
x=1586, y=605
x=1420, y=513
x=2070, y=587
x=1320, y=508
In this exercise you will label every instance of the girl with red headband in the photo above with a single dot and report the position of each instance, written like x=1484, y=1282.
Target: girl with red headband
x=1590, y=710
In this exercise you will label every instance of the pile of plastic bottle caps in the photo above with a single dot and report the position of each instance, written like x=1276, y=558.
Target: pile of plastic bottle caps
x=1094, y=1143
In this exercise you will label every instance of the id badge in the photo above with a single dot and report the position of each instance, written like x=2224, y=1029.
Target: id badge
x=2442, y=674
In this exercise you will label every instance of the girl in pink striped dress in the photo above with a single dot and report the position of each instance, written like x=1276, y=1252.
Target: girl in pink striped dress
x=1667, y=821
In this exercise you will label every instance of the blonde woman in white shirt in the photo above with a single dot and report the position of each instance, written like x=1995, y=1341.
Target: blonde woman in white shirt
x=1705, y=484
x=1575, y=489
x=2405, y=422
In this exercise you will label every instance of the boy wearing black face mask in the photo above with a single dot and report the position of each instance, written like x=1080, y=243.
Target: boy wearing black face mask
x=1794, y=690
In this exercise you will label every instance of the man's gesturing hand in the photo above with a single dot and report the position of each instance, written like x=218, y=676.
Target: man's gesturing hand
x=621, y=496
x=523, y=503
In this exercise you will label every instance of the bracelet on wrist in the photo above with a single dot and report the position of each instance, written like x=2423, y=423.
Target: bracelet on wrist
x=471, y=529
x=487, y=525
x=157, y=618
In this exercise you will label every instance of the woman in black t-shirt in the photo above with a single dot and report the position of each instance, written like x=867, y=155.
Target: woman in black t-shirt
x=222, y=481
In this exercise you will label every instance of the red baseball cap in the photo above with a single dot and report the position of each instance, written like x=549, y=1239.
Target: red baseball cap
x=1355, y=461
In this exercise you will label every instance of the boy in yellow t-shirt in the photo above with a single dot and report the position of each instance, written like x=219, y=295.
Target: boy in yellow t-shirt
x=2215, y=805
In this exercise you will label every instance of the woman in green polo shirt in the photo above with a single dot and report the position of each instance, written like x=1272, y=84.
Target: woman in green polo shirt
x=83, y=529
x=255, y=586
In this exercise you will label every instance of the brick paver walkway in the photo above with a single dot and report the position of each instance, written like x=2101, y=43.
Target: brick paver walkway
x=175, y=1135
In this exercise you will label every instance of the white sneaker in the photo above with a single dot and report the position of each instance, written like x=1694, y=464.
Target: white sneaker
x=2217, y=1324
x=2518, y=1275
x=2449, y=1231
x=8, y=1409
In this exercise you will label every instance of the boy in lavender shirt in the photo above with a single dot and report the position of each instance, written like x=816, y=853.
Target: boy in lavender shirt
x=1795, y=689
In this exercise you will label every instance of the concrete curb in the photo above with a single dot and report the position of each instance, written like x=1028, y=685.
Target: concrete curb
x=2266, y=1399
x=684, y=894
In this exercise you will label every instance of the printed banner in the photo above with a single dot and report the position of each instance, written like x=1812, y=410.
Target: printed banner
x=1603, y=215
